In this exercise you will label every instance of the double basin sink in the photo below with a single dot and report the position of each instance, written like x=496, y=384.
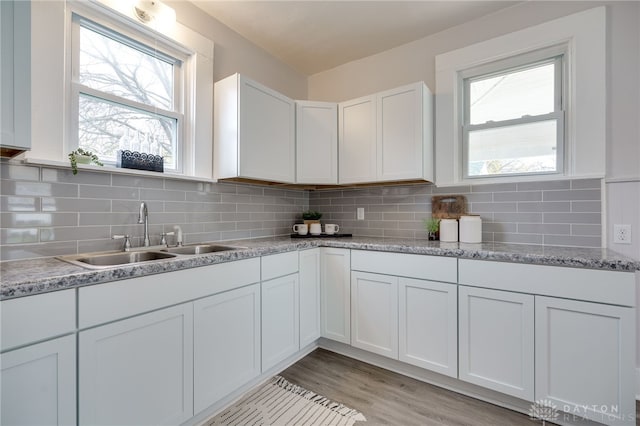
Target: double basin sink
x=111, y=259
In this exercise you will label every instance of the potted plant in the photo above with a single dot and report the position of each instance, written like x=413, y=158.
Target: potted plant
x=432, y=225
x=81, y=156
x=311, y=216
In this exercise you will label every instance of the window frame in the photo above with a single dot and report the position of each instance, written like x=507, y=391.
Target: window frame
x=554, y=54
x=133, y=35
x=585, y=35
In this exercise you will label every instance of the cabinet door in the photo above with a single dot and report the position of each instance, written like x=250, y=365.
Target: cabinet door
x=335, y=299
x=357, y=142
x=138, y=371
x=39, y=384
x=585, y=359
x=226, y=343
x=400, y=133
x=267, y=133
x=15, y=77
x=374, y=313
x=496, y=340
x=280, y=320
x=316, y=142
x=428, y=325
x=309, y=296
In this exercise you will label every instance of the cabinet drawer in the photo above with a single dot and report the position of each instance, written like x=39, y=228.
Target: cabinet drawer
x=32, y=318
x=108, y=302
x=279, y=265
x=435, y=268
x=613, y=287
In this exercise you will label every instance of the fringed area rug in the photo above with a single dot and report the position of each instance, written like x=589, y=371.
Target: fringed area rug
x=279, y=402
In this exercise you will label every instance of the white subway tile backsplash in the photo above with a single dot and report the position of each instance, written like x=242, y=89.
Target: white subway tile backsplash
x=15, y=172
x=19, y=204
x=38, y=189
x=518, y=196
x=517, y=213
x=593, y=218
x=65, y=176
x=572, y=195
x=109, y=192
x=554, y=184
x=549, y=206
x=46, y=211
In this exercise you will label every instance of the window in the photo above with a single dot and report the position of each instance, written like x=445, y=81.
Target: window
x=513, y=118
x=126, y=94
x=579, y=113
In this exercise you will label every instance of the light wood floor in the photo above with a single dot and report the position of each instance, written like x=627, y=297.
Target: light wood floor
x=389, y=398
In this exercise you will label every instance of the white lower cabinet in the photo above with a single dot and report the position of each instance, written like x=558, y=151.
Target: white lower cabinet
x=335, y=294
x=39, y=384
x=428, y=325
x=226, y=344
x=138, y=371
x=374, y=313
x=584, y=359
x=309, y=261
x=496, y=340
x=280, y=319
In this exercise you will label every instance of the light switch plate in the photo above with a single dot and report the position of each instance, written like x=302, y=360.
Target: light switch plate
x=360, y=213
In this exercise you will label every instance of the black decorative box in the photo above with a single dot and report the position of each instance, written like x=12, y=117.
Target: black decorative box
x=139, y=160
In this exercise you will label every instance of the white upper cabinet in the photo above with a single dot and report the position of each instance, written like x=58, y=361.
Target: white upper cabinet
x=405, y=140
x=316, y=142
x=254, y=131
x=357, y=143
x=387, y=136
x=15, y=77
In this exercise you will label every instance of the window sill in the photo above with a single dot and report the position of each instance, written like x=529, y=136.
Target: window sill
x=115, y=170
x=517, y=179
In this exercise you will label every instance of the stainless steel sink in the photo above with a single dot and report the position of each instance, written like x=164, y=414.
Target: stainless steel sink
x=200, y=249
x=111, y=259
x=106, y=260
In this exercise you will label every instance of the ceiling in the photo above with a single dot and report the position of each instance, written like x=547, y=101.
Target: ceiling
x=316, y=35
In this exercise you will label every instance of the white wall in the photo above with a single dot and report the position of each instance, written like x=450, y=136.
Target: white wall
x=234, y=53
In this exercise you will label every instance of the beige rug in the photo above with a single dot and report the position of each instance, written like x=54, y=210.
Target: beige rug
x=279, y=402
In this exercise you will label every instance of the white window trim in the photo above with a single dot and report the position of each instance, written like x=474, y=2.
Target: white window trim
x=97, y=21
x=555, y=54
x=51, y=90
x=584, y=34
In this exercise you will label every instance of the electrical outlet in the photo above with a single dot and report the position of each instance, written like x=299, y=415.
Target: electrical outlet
x=360, y=213
x=622, y=234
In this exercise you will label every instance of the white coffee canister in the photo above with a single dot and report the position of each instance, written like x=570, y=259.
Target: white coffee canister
x=448, y=230
x=470, y=229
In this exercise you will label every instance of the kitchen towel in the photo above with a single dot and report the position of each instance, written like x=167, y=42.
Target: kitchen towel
x=280, y=402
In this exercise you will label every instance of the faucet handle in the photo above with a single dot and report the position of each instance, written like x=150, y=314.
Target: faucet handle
x=127, y=241
x=179, y=235
x=163, y=241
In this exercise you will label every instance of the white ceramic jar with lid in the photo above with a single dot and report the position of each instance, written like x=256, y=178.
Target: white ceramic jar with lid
x=470, y=229
x=448, y=230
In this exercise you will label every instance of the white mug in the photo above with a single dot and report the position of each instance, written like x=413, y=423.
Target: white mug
x=301, y=228
x=331, y=228
x=315, y=229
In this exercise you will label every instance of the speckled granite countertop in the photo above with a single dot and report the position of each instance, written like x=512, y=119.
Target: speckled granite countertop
x=33, y=276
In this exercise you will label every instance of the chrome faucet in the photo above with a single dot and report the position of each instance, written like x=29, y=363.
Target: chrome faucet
x=143, y=217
